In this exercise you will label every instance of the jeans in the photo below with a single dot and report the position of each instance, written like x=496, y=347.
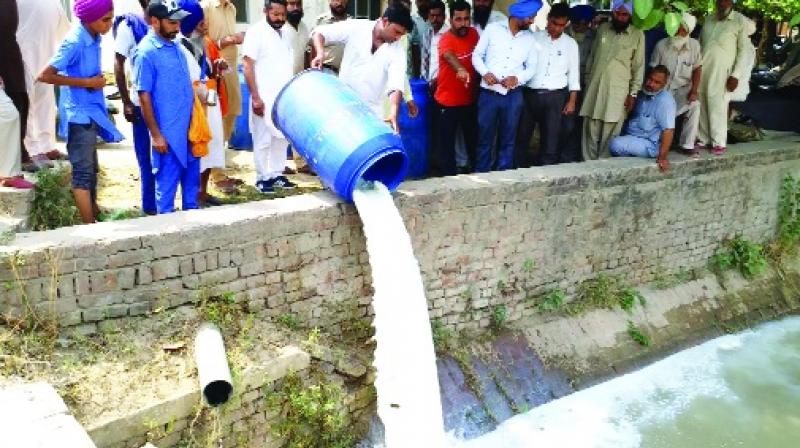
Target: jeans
x=497, y=115
x=628, y=145
x=141, y=146
x=82, y=152
x=451, y=119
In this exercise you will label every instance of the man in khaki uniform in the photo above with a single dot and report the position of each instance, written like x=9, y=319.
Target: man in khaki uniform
x=333, y=52
x=683, y=57
x=615, y=71
x=724, y=42
x=221, y=18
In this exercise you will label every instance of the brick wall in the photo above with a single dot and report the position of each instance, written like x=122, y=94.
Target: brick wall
x=481, y=240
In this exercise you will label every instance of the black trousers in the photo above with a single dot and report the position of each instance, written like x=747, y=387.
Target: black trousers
x=450, y=120
x=543, y=109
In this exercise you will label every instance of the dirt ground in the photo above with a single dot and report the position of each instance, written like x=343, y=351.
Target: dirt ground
x=119, y=187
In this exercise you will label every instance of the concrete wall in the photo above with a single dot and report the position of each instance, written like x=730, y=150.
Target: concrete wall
x=482, y=241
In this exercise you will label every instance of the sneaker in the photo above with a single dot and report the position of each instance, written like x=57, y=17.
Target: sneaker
x=266, y=186
x=283, y=182
x=718, y=150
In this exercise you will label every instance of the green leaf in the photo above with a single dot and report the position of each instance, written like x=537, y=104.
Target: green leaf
x=680, y=6
x=650, y=22
x=672, y=21
x=642, y=8
x=795, y=20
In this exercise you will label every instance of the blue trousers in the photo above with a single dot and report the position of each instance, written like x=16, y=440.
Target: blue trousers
x=169, y=174
x=630, y=146
x=82, y=152
x=141, y=146
x=497, y=115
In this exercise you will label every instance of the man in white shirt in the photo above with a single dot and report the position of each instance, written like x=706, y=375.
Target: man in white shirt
x=683, y=57
x=268, y=66
x=417, y=36
x=483, y=14
x=430, y=44
x=42, y=25
x=552, y=93
x=505, y=58
x=374, y=62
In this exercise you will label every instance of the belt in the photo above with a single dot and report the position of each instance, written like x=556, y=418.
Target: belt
x=546, y=91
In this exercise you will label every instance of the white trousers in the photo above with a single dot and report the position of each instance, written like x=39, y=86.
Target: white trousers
x=269, y=151
x=40, y=136
x=10, y=156
x=216, y=147
x=691, y=120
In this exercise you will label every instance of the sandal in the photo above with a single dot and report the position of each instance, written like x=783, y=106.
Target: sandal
x=16, y=182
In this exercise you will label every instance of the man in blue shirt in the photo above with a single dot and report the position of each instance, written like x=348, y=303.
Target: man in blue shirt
x=651, y=126
x=77, y=66
x=166, y=95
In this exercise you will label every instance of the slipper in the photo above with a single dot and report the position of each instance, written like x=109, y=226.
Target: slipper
x=17, y=182
x=55, y=155
x=288, y=170
x=42, y=161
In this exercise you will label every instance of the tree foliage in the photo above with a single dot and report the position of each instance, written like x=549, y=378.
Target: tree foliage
x=777, y=10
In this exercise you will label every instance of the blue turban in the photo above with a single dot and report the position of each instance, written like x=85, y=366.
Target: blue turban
x=582, y=12
x=616, y=4
x=190, y=22
x=523, y=9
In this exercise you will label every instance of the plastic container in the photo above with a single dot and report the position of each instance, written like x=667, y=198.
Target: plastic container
x=415, y=131
x=338, y=134
x=241, y=138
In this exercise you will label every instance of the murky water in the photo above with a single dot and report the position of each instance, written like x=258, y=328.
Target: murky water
x=738, y=390
x=406, y=381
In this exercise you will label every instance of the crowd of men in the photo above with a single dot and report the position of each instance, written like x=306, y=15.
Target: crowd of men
x=494, y=79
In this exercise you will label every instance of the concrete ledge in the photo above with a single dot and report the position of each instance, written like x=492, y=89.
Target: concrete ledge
x=184, y=402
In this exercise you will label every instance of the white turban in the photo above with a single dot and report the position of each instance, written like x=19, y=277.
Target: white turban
x=688, y=21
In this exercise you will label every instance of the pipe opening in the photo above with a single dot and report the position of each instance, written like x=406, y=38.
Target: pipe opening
x=388, y=170
x=217, y=392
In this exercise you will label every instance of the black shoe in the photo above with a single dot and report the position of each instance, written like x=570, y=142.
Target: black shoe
x=464, y=170
x=266, y=186
x=283, y=182
x=211, y=201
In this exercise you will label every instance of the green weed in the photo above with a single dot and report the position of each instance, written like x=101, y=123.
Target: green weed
x=443, y=337
x=552, y=301
x=53, y=205
x=638, y=335
x=498, y=318
x=739, y=253
x=289, y=321
x=604, y=292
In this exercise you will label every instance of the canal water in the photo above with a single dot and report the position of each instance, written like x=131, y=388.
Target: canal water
x=740, y=390
x=405, y=362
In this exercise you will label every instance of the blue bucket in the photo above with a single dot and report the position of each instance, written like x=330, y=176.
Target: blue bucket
x=241, y=138
x=414, y=131
x=338, y=134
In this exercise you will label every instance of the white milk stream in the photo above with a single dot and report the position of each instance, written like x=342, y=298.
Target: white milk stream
x=408, y=388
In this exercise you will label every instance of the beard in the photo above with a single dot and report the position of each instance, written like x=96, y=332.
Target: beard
x=461, y=32
x=339, y=11
x=294, y=17
x=276, y=25
x=481, y=15
x=619, y=26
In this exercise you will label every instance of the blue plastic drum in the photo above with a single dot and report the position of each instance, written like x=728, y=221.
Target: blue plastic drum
x=414, y=131
x=338, y=134
x=241, y=138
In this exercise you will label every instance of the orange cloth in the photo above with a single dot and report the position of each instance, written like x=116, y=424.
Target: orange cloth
x=199, y=130
x=214, y=54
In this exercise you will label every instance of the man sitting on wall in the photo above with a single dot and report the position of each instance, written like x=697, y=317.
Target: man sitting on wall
x=650, y=129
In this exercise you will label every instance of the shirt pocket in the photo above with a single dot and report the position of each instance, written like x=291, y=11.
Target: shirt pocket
x=647, y=123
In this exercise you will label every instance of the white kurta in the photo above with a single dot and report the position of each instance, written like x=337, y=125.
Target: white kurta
x=273, y=60
x=42, y=26
x=10, y=157
x=371, y=75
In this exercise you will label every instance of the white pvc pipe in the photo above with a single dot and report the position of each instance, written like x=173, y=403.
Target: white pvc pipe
x=212, y=365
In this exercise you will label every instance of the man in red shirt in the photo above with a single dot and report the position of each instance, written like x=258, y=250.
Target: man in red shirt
x=456, y=88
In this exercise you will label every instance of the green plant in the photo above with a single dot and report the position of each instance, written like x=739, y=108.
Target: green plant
x=442, y=336
x=314, y=415
x=53, y=205
x=288, y=320
x=604, y=292
x=788, y=236
x=552, y=301
x=529, y=265
x=222, y=310
x=638, y=335
x=498, y=317
x=666, y=281
x=741, y=254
